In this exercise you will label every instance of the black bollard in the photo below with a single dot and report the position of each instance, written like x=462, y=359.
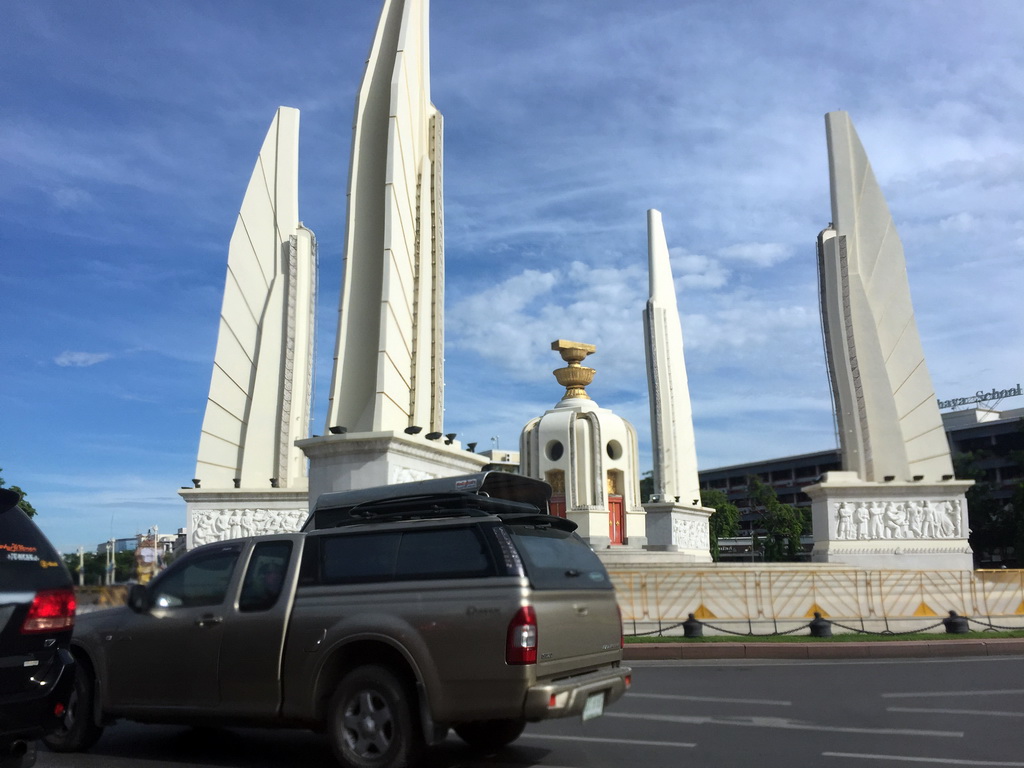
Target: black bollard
x=820, y=627
x=692, y=627
x=956, y=625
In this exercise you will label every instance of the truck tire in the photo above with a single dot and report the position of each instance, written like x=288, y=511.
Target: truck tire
x=370, y=721
x=78, y=730
x=490, y=734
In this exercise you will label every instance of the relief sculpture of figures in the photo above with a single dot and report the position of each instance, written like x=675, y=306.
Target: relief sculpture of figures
x=895, y=521
x=218, y=525
x=876, y=529
x=690, y=534
x=862, y=520
x=872, y=520
x=844, y=526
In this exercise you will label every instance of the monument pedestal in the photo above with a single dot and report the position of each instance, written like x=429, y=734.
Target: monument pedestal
x=216, y=515
x=674, y=527
x=918, y=526
x=367, y=459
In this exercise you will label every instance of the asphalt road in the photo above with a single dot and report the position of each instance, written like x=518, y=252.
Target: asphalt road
x=948, y=712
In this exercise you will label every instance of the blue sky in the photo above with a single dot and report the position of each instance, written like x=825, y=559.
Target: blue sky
x=129, y=129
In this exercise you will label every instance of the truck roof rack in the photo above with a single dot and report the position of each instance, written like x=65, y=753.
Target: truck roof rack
x=484, y=493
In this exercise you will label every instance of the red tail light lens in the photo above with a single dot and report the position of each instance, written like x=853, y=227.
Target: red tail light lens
x=521, y=645
x=52, y=610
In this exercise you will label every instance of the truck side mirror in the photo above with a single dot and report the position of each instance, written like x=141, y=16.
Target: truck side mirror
x=138, y=598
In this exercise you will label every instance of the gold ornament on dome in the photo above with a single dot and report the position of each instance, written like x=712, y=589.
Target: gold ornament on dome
x=574, y=377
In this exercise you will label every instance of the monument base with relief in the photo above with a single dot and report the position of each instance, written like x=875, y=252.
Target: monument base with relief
x=677, y=528
x=890, y=525
x=217, y=515
x=368, y=459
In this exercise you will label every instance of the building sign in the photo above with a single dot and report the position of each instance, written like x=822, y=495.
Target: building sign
x=981, y=397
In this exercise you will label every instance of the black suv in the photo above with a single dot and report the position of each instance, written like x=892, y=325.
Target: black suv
x=37, y=614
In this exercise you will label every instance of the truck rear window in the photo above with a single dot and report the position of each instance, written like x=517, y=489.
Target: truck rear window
x=441, y=553
x=555, y=558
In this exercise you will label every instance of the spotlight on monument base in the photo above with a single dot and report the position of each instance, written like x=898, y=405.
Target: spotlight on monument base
x=889, y=478
x=918, y=478
x=338, y=430
x=195, y=482
x=434, y=435
x=449, y=438
x=413, y=430
x=947, y=477
x=471, y=447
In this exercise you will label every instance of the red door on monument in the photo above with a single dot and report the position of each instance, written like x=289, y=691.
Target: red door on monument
x=615, y=519
x=556, y=505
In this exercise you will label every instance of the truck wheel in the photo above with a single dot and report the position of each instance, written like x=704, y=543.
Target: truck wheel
x=78, y=730
x=490, y=734
x=370, y=721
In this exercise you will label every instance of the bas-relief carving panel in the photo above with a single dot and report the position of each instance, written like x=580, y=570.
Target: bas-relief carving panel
x=209, y=525
x=876, y=520
x=690, y=534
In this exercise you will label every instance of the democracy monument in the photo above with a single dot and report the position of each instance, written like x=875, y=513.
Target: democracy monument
x=895, y=506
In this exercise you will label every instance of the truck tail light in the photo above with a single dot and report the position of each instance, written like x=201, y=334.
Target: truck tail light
x=521, y=642
x=52, y=610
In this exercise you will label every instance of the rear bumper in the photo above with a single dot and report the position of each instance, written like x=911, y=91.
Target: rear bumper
x=567, y=697
x=32, y=714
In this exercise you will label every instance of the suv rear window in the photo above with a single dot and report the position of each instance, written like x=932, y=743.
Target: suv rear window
x=27, y=559
x=556, y=558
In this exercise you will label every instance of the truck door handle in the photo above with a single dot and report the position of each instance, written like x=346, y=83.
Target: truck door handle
x=208, y=621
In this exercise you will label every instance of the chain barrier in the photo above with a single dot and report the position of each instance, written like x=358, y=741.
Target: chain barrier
x=887, y=632
x=988, y=625
x=661, y=630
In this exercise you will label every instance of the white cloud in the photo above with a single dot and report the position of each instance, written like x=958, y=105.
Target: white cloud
x=759, y=254
x=69, y=359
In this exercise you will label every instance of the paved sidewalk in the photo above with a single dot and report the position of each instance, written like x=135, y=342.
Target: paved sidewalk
x=894, y=649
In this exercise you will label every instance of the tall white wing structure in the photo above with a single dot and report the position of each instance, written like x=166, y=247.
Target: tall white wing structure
x=388, y=367
x=259, y=402
x=672, y=437
x=888, y=419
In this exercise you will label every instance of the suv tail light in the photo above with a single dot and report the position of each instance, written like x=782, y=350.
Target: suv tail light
x=52, y=610
x=521, y=643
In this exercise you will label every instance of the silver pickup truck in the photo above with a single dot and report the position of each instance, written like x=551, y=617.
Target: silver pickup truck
x=397, y=614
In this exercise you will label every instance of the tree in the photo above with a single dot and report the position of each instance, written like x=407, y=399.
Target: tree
x=724, y=521
x=646, y=486
x=94, y=567
x=25, y=506
x=782, y=523
x=996, y=522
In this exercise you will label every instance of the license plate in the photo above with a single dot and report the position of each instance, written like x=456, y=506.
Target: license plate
x=594, y=706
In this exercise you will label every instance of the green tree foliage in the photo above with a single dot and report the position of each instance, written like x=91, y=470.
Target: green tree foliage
x=94, y=567
x=724, y=521
x=646, y=486
x=996, y=522
x=28, y=508
x=782, y=523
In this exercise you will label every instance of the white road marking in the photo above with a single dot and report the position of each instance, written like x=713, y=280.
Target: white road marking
x=912, y=759
x=765, y=702
x=1008, y=692
x=926, y=710
x=783, y=724
x=631, y=742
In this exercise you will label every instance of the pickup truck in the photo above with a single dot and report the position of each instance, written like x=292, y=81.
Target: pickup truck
x=396, y=614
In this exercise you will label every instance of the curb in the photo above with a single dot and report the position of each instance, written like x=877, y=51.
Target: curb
x=906, y=649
